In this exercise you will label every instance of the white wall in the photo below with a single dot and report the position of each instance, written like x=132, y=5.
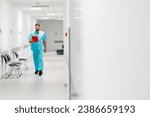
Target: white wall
x=110, y=49
x=54, y=32
x=15, y=21
x=15, y=25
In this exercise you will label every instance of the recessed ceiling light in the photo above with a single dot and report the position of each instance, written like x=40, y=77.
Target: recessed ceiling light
x=45, y=18
x=36, y=8
x=51, y=14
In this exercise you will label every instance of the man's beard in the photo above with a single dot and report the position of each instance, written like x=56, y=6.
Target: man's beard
x=37, y=30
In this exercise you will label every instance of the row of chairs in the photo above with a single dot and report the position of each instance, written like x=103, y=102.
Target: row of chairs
x=14, y=68
x=23, y=60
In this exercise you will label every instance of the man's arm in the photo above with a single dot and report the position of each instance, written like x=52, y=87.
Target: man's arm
x=30, y=38
x=45, y=48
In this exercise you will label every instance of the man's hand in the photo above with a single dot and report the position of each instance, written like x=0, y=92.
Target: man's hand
x=45, y=50
x=45, y=46
x=30, y=41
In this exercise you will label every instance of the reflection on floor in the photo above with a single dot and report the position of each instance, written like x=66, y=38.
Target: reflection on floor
x=50, y=86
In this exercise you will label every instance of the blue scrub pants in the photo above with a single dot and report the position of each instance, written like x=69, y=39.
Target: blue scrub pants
x=38, y=59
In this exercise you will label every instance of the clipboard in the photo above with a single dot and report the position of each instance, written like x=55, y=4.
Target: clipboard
x=35, y=38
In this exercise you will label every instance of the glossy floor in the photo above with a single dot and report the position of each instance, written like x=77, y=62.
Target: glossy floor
x=50, y=86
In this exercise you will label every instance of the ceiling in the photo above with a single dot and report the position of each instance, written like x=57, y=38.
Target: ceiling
x=51, y=9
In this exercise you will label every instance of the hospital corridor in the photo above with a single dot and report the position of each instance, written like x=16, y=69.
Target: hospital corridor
x=74, y=50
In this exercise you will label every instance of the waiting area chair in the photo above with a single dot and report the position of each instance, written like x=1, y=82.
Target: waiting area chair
x=13, y=67
x=22, y=60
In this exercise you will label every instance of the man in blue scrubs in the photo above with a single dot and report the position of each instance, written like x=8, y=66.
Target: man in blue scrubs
x=37, y=39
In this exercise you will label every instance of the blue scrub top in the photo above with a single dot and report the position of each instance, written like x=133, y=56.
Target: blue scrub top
x=41, y=38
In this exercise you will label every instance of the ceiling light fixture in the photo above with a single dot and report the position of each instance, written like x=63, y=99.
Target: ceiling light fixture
x=51, y=14
x=36, y=8
x=45, y=18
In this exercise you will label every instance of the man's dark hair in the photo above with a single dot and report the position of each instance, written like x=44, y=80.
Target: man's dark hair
x=37, y=24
